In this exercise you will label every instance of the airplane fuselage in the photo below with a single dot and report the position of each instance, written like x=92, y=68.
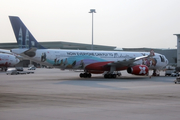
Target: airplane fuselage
x=80, y=59
x=7, y=60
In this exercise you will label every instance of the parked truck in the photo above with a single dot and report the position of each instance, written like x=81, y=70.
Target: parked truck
x=169, y=70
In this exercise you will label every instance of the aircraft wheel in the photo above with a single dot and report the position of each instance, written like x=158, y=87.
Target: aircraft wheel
x=113, y=75
x=85, y=75
x=81, y=75
x=89, y=75
x=105, y=75
x=109, y=75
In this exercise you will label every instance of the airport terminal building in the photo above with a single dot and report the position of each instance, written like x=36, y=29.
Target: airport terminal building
x=171, y=54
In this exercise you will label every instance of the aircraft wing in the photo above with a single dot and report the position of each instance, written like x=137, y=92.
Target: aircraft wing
x=126, y=62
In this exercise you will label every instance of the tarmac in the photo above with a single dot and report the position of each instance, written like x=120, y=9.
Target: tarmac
x=52, y=94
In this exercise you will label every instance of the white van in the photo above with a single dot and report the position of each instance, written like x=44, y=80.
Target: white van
x=11, y=71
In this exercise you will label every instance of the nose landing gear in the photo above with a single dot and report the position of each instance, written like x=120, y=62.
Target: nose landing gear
x=156, y=73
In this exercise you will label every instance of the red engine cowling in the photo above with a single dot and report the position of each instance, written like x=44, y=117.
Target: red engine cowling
x=138, y=70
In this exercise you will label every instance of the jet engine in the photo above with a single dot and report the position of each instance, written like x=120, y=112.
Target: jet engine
x=138, y=70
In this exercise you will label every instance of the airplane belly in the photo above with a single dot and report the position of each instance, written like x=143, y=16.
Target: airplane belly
x=98, y=66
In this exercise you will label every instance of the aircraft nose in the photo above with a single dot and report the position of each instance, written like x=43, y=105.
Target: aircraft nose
x=167, y=62
x=17, y=60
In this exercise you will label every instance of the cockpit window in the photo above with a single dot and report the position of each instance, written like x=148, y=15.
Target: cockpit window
x=162, y=58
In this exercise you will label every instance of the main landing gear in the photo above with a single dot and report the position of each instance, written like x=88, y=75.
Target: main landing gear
x=85, y=75
x=106, y=74
x=112, y=75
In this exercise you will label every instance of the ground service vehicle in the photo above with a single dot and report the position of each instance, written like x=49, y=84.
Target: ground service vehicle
x=11, y=71
x=32, y=68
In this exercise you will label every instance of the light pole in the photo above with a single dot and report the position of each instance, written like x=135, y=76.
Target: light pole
x=178, y=50
x=92, y=11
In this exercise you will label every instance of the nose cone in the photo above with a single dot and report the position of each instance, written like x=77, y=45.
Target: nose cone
x=167, y=62
x=17, y=61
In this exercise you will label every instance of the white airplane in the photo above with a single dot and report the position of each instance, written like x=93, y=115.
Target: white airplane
x=7, y=60
x=92, y=62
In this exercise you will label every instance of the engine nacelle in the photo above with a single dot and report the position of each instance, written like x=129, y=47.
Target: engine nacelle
x=138, y=70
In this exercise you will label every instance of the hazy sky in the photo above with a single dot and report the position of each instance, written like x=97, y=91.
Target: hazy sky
x=121, y=23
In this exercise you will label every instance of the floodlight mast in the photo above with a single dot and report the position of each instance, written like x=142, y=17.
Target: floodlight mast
x=178, y=50
x=92, y=11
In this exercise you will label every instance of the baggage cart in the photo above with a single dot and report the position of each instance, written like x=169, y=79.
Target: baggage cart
x=177, y=80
